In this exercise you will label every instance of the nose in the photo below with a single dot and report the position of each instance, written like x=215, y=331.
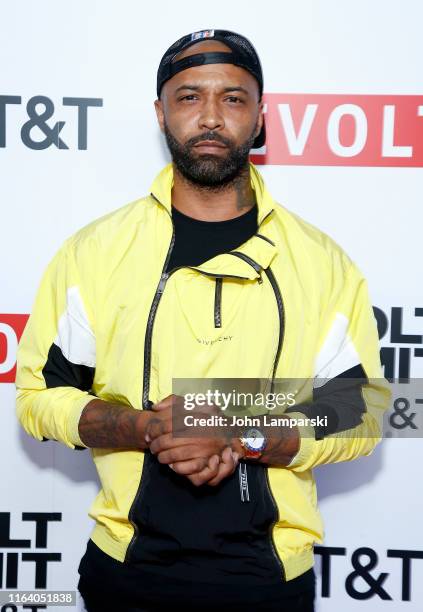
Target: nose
x=210, y=117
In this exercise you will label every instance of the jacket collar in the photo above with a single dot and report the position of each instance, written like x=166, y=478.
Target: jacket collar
x=162, y=185
x=249, y=260
x=257, y=249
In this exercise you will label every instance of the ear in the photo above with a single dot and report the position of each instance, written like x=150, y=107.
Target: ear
x=260, y=118
x=158, y=105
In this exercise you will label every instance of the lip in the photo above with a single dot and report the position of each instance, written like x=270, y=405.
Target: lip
x=209, y=146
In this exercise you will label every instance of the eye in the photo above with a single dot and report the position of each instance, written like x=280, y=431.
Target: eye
x=234, y=100
x=188, y=98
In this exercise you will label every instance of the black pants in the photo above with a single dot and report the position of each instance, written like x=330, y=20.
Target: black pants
x=98, y=602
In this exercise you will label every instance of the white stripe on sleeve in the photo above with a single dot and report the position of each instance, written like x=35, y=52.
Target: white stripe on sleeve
x=75, y=337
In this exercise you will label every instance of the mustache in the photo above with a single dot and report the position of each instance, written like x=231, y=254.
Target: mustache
x=207, y=137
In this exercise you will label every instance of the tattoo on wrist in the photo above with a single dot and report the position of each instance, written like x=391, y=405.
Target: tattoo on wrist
x=105, y=425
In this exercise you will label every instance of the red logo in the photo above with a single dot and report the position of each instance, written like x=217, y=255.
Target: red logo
x=11, y=330
x=342, y=130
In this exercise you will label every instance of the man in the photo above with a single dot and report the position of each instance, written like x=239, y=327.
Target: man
x=206, y=278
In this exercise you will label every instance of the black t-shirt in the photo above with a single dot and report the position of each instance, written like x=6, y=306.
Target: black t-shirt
x=195, y=242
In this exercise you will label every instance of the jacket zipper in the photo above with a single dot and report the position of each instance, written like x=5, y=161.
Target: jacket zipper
x=250, y=261
x=218, y=303
x=272, y=541
x=281, y=312
x=146, y=373
x=266, y=239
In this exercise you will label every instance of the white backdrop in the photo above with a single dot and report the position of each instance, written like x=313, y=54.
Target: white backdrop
x=110, y=51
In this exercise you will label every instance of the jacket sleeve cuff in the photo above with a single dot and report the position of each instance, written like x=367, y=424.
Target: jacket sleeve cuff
x=74, y=418
x=307, y=441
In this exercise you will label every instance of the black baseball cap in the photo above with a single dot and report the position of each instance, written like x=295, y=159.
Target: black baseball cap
x=243, y=55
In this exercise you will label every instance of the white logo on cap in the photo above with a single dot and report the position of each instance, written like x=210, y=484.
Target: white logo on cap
x=202, y=34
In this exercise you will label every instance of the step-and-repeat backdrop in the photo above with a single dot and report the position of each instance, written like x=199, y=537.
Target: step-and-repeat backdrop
x=78, y=138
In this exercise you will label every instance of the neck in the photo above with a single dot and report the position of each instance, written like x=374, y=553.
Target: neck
x=206, y=204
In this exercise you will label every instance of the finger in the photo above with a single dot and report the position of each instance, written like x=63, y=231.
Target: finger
x=193, y=466
x=213, y=462
x=208, y=473
x=227, y=455
x=168, y=402
x=180, y=453
x=221, y=475
x=226, y=467
x=168, y=441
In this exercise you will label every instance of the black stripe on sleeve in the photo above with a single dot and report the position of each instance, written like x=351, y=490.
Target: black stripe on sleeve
x=340, y=400
x=59, y=372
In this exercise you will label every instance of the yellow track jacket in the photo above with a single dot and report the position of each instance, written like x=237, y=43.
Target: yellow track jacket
x=108, y=322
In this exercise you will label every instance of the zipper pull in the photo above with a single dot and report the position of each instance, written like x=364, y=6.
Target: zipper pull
x=243, y=482
x=162, y=282
x=218, y=302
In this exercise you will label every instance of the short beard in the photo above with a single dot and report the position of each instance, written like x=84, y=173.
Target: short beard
x=209, y=171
